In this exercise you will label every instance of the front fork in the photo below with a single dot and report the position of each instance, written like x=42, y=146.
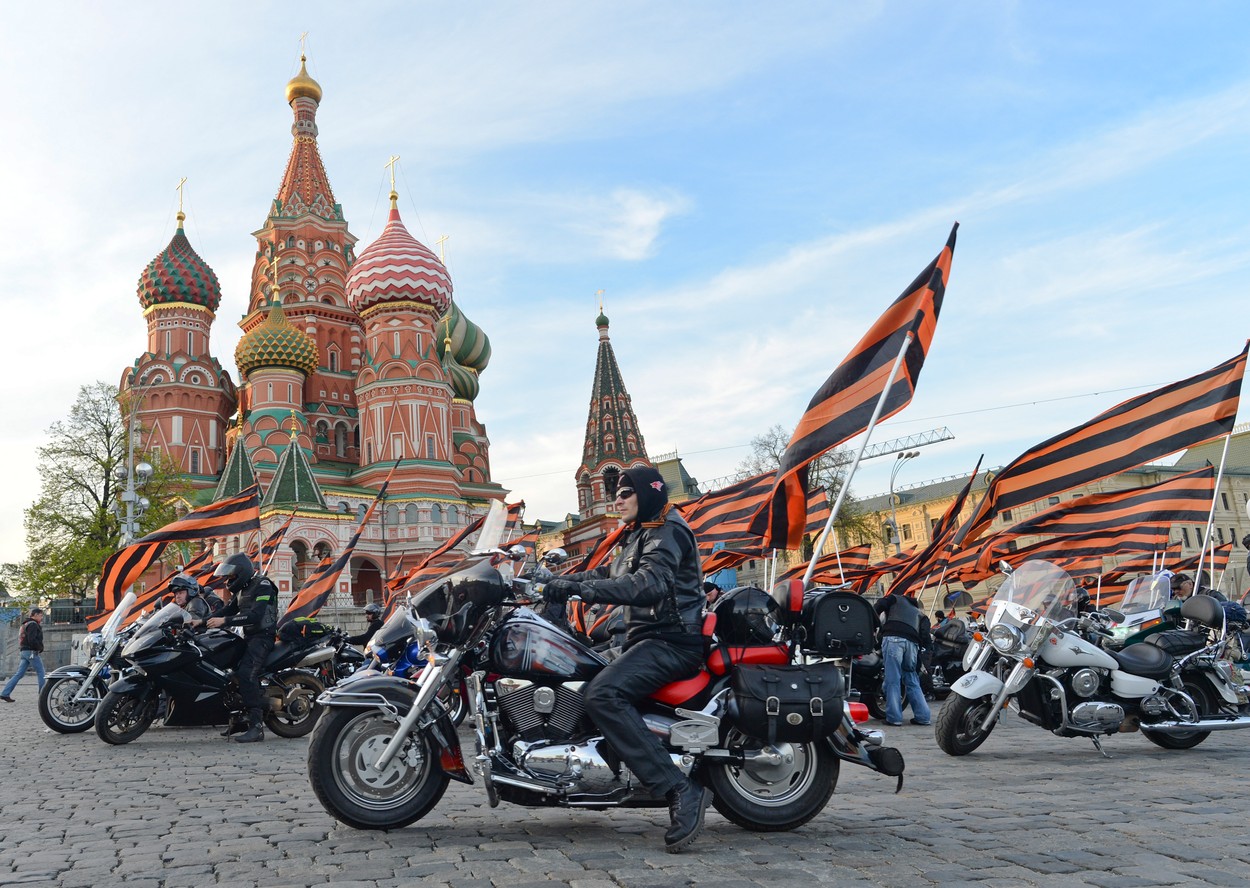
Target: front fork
x=1015, y=680
x=431, y=679
x=88, y=684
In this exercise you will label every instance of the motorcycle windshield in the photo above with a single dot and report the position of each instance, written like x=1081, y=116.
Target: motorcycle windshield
x=109, y=632
x=151, y=631
x=1147, y=594
x=396, y=628
x=1036, y=592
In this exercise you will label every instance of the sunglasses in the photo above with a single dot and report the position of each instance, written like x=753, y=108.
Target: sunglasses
x=624, y=492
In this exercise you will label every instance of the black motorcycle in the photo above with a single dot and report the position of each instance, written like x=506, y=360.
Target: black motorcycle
x=950, y=643
x=382, y=755
x=194, y=674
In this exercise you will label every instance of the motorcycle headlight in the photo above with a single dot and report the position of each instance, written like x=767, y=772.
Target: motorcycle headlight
x=423, y=632
x=1005, y=638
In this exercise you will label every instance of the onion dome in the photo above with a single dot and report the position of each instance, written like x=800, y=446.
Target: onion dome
x=303, y=86
x=398, y=268
x=178, y=274
x=276, y=343
x=470, y=347
x=602, y=320
x=464, y=381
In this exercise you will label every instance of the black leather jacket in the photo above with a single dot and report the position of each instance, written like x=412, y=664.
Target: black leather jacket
x=255, y=608
x=657, y=577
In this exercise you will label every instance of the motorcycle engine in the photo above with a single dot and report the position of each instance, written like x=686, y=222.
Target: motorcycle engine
x=1085, y=682
x=1099, y=716
x=579, y=767
x=534, y=712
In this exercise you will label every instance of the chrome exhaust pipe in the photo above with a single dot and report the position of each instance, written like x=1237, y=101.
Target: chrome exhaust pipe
x=1210, y=723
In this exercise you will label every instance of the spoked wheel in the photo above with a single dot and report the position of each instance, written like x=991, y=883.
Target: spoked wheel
x=58, y=709
x=1203, y=707
x=958, y=725
x=341, y=755
x=122, y=718
x=777, y=788
x=299, y=715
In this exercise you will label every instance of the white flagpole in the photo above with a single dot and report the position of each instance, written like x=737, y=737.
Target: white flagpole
x=1206, y=537
x=876, y=414
x=837, y=550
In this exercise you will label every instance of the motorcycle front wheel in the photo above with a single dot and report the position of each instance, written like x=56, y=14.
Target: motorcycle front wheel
x=1204, y=706
x=777, y=792
x=958, y=724
x=298, y=716
x=123, y=717
x=58, y=709
x=341, y=755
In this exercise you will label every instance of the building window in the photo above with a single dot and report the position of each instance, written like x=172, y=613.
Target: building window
x=1005, y=514
x=1224, y=499
x=1219, y=531
x=334, y=361
x=1052, y=500
x=429, y=447
x=906, y=531
x=397, y=446
x=340, y=440
x=410, y=513
x=1011, y=545
x=453, y=515
x=1185, y=535
x=195, y=461
x=436, y=514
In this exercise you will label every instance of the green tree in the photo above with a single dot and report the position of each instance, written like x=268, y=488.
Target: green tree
x=827, y=471
x=73, y=527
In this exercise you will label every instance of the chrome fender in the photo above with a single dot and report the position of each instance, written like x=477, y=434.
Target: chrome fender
x=975, y=685
x=70, y=671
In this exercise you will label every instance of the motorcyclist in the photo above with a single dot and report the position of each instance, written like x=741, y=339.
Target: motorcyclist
x=373, y=622
x=187, y=596
x=656, y=576
x=254, y=607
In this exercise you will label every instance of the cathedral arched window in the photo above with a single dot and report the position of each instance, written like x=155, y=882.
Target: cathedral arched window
x=195, y=461
x=436, y=514
x=333, y=358
x=321, y=551
x=453, y=515
x=360, y=512
x=340, y=440
x=290, y=241
x=410, y=513
x=392, y=514
x=356, y=437
x=323, y=432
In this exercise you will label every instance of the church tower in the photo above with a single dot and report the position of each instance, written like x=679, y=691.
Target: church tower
x=613, y=441
x=185, y=398
x=303, y=253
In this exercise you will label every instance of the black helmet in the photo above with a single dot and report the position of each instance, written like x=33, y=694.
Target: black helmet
x=373, y=610
x=184, y=583
x=238, y=571
x=743, y=616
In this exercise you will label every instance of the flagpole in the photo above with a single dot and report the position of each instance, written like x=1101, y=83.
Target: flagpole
x=846, y=483
x=1206, y=537
x=837, y=550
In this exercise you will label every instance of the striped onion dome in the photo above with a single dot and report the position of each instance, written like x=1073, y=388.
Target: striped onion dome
x=464, y=381
x=178, y=274
x=469, y=345
x=276, y=343
x=397, y=267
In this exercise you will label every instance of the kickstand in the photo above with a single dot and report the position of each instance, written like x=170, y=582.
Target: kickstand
x=1098, y=746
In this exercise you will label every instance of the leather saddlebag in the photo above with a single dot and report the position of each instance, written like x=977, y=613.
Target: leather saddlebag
x=787, y=704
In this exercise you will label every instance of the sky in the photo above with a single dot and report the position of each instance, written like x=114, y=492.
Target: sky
x=750, y=186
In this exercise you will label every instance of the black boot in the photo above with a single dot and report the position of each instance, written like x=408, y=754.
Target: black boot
x=686, y=804
x=255, y=731
x=236, y=725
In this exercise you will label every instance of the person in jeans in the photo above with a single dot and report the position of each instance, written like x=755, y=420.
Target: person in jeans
x=905, y=629
x=30, y=643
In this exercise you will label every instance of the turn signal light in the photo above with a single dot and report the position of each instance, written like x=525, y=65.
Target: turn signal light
x=1028, y=662
x=858, y=711
x=977, y=636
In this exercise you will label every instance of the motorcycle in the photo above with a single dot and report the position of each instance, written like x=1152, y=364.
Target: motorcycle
x=1042, y=655
x=195, y=673
x=950, y=643
x=1148, y=609
x=385, y=750
x=72, y=693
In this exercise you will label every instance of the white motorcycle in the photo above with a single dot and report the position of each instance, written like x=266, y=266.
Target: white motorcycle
x=1042, y=657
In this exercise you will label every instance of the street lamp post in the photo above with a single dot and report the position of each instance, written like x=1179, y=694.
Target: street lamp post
x=132, y=506
x=898, y=464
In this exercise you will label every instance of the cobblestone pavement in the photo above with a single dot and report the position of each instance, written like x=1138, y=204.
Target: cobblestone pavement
x=181, y=807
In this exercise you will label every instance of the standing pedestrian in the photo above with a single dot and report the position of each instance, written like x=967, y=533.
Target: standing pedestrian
x=30, y=643
x=904, y=632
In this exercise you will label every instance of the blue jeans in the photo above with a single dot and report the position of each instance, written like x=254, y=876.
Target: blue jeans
x=901, y=662
x=29, y=658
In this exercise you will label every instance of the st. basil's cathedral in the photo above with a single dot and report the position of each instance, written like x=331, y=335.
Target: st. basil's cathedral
x=348, y=362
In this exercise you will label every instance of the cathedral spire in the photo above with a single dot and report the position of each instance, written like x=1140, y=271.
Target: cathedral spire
x=305, y=187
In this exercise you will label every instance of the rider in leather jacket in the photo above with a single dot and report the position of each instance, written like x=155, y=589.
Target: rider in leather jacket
x=254, y=607
x=656, y=576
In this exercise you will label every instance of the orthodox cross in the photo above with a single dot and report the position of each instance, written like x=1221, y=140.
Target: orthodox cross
x=390, y=164
x=178, y=188
x=599, y=293
x=303, y=44
x=442, y=249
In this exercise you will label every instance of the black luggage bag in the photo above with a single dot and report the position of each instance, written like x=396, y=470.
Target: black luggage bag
x=838, y=624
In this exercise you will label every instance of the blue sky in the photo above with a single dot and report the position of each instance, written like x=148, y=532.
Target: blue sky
x=749, y=185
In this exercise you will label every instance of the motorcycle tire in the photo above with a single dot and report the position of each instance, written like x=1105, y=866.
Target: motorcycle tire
x=774, y=798
x=299, y=716
x=876, y=703
x=957, y=727
x=1202, y=701
x=60, y=713
x=341, y=754
x=122, y=718
x=455, y=700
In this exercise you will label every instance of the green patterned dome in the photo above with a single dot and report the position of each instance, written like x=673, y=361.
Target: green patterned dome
x=464, y=381
x=469, y=345
x=276, y=343
x=178, y=274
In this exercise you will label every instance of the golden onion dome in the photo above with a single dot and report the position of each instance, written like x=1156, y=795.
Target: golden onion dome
x=301, y=85
x=276, y=343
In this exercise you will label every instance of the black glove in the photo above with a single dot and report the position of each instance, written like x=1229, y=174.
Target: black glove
x=558, y=591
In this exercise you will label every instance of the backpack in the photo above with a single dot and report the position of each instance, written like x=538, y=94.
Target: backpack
x=22, y=643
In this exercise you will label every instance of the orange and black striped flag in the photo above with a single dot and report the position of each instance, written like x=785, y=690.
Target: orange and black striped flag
x=933, y=558
x=233, y=515
x=843, y=407
x=833, y=567
x=600, y=552
x=270, y=546
x=1139, y=430
x=1147, y=562
x=194, y=568
x=724, y=516
x=723, y=559
x=512, y=523
x=1194, y=563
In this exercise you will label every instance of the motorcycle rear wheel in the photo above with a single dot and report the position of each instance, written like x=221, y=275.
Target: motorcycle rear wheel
x=344, y=746
x=1202, y=702
x=958, y=724
x=774, y=797
x=299, y=716
x=122, y=718
x=60, y=713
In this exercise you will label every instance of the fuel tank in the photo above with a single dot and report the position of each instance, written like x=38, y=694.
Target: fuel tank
x=1071, y=650
x=221, y=648
x=527, y=646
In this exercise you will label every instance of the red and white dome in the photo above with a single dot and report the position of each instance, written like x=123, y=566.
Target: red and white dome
x=398, y=267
